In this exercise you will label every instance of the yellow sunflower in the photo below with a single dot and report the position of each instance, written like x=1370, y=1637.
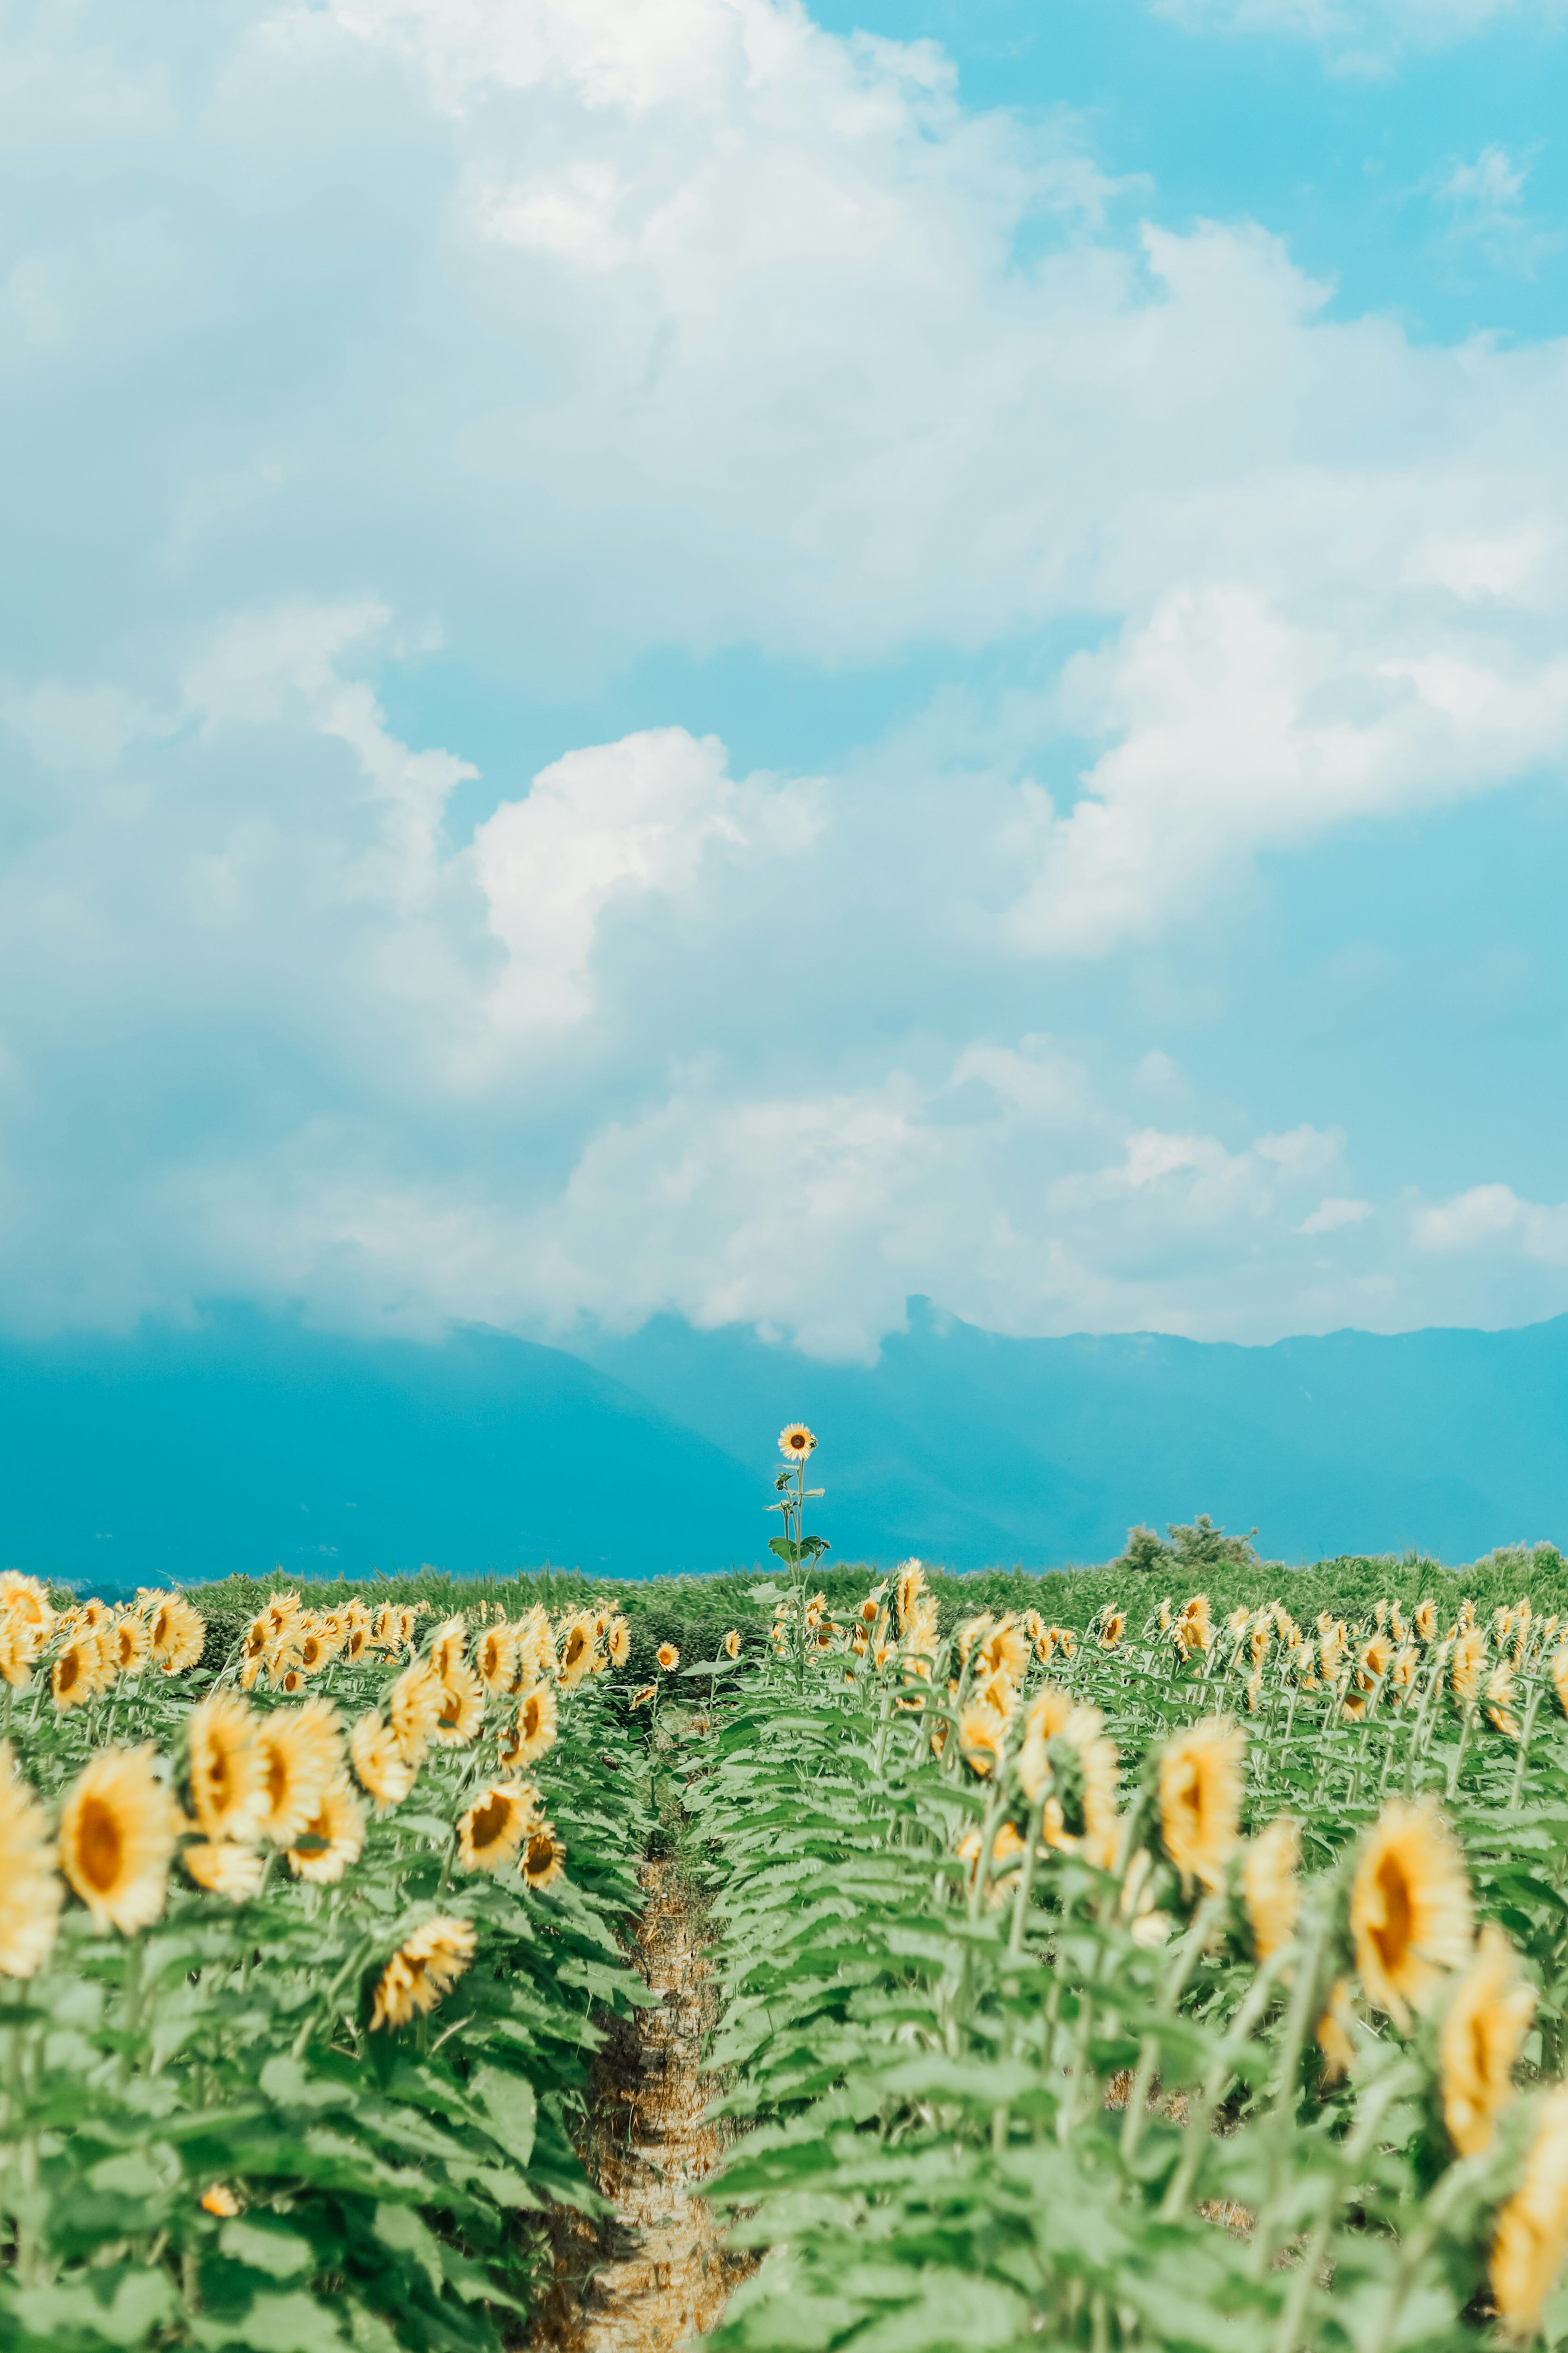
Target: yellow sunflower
x=1112, y=1628
x=1195, y=1625
x=638, y=1699
x=1482, y=2036
x=618, y=1641
x=77, y=1673
x=1532, y=2227
x=1200, y=1798
x=227, y=1770
x=331, y=1839
x=795, y=1442
x=1498, y=1697
x=302, y=1756
x=30, y=1891
x=1425, y=1621
x=380, y=1765
x=234, y=1871
x=221, y=2200
x=496, y=1825
x=176, y=1634
x=577, y=1645
x=1334, y=2031
x=1410, y=1909
x=543, y=1858
x=535, y=1731
x=423, y=1969
x=733, y=1643
x=1005, y=1651
x=413, y=1704
x=117, y=1827
x=448, y=1647
x=496, y=1658
x=669, y=1657
x=1270, y=1889
x=25, y=1600
x=462, y=1709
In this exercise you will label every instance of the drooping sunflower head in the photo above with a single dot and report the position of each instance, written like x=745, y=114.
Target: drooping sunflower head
x=1482, y=2036
x=30, y=1890
x=495, y=1826
x=302, y=1756
x=426, y=1966
x=1200, y=1798
x=618, y=1641
x=382, y=1767
x=907, y=1588
x=1425, y=1621
x=669, y=1657
x=1469, y=1665
x=1112, y=1629
x=462, y=1709
x=1270, y=1889
x=331, y=1839
x=543, y=1857
x=1410, y=1909
x=1004, y=1651
x=733, y=1643
x=227, y=1770
x=638, y=1699
x=795, y=1442
x=1532, y=2236
x=117, y=1827
x=176, y=1634
x=982, y=1736
x=232, y=1872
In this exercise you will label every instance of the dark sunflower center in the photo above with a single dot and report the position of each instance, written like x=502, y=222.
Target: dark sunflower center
x=99, y=1845
x=491, y=1821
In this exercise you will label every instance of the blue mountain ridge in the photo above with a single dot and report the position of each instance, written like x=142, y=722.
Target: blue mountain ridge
x=244, y=1440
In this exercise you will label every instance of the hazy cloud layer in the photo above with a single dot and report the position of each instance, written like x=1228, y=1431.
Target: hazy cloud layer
x=560, y=334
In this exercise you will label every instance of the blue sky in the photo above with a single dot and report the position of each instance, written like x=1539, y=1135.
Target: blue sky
x=694, y=656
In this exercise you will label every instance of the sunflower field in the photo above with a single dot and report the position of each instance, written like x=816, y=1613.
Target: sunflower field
x=301, y=1961
x=1170, y=1982
x=1193, y=1973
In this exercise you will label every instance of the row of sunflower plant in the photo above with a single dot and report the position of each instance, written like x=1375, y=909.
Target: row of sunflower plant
x=300, y=1960
x=1166, y=1983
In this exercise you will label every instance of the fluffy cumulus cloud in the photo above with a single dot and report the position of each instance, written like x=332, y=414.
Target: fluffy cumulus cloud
x=555, y=335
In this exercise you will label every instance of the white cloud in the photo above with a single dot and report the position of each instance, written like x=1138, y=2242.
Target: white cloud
x=567, y=334
x=1491, y=1217
x=1358, y=37
x=1332, y=1212
x=620, y=819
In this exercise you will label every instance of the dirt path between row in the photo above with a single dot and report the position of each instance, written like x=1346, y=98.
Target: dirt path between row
x=654, y=2275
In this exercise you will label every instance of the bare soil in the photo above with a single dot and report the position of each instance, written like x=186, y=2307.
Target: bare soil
x=653, y=2274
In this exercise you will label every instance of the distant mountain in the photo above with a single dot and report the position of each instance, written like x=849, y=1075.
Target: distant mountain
x=248, y=1439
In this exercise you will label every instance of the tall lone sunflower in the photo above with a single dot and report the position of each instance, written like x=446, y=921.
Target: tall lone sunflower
x=1200, y=1798
x=1483, y=2036
x=795, y=1442
x=30, y=1891
x=1410, y=1909
x=423, y=1969
x=117, y=1827
x=1532, y=2227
